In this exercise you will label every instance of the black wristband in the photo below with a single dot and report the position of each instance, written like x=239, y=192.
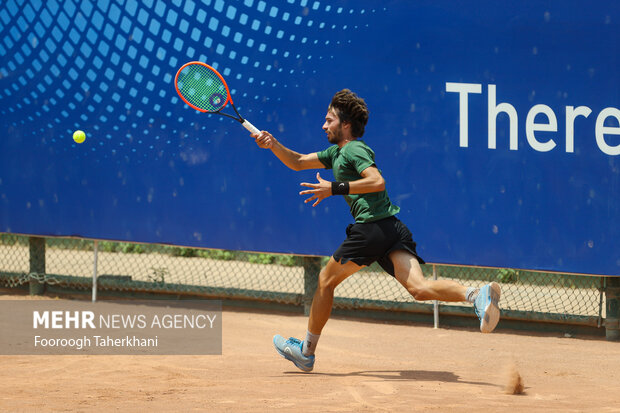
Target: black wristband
x=340, y=188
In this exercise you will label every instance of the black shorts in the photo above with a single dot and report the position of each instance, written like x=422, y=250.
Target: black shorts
x=374, y=241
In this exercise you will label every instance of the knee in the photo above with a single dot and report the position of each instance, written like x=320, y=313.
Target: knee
x=419, y=292
x=326, y=283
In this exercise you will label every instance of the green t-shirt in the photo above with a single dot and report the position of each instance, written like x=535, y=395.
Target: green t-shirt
x=348, y=163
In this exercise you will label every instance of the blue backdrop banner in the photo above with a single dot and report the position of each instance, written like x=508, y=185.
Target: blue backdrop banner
x=496, y=125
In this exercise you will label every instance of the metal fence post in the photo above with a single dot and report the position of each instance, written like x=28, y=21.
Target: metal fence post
x=312, y=268
x=37, y=264
x=95, y=261
x=435, y=302
x=612, y=319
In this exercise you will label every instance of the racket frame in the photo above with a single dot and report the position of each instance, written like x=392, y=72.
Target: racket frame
x=238, y=118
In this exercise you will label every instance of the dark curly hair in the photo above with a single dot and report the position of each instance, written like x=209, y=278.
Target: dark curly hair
x=352, y=109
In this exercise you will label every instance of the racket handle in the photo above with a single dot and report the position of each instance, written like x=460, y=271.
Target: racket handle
x=253, y=129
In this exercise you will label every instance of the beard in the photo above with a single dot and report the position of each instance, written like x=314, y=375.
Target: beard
x=335, y=137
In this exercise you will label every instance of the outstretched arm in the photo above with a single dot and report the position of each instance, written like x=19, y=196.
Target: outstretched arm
x=371, y=181
x=295, y=161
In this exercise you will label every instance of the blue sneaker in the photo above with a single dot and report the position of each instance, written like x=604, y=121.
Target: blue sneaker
x=291, y=350
x=486, y=306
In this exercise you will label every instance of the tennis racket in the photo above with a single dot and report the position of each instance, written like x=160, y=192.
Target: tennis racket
x=204, y=89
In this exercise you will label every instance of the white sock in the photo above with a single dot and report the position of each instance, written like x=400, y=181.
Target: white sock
x=310, y=343
x=472, y=294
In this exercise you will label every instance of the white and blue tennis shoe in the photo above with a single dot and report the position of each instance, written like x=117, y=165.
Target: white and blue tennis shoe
x=486, y=306
x=291, y=349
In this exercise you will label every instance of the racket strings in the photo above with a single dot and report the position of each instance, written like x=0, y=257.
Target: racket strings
x=202, y=88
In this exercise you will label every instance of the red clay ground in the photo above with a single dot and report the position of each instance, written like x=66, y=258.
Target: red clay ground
x=361, y=366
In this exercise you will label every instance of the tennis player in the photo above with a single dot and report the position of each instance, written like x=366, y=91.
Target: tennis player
x=376, y=235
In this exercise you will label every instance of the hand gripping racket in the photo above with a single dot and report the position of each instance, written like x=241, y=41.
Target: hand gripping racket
x=204, y=89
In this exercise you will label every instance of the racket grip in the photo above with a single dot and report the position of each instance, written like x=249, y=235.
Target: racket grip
x=253, y=129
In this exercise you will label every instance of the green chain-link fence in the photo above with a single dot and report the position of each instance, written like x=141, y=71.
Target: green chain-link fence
x=146, y=268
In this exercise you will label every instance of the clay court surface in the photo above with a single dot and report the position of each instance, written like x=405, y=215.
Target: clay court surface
x=361, y=366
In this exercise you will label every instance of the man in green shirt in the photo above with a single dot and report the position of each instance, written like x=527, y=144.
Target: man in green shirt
x=377, y=235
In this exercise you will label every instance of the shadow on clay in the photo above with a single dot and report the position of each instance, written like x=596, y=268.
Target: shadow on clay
x=406, y=375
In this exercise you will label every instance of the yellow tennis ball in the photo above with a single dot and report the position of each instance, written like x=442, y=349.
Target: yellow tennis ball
x=79, y=136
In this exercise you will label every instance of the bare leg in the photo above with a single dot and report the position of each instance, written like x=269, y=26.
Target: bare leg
x=409, y=274
x=333, y=274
